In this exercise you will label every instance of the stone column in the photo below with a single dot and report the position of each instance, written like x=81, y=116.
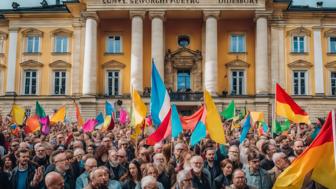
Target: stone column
x=90, y=54
x=75, y=81
x=277, y=55
x=261, y=55
x=157, y=40
x=318, y=62
x=137, y=50
x=11, y=63
x=210, y=68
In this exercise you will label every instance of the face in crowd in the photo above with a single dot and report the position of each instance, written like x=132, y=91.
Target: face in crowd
x=23, y=158
x=298, y=147
x=61, y=162
x=239, y=179
x=179, y=150
x=210, y=155
x=197, y=164
x=234, y=153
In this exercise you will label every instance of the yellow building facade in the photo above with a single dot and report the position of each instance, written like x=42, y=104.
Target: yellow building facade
x=96, y=50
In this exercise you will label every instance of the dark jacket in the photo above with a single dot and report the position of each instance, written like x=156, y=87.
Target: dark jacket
x=221, y=181
x=41, y=162
x=30, y=176
x=129, y=184
x=214, y=170
x=69, y=177
x=204, y=182
x=4, y=180
x=165, y=180
x=116, y=172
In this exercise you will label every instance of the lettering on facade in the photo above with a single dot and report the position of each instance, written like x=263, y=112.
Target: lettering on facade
x=163, y=2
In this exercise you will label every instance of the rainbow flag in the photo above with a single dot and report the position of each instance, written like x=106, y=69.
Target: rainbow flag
x=318, y=158
x=287, y=108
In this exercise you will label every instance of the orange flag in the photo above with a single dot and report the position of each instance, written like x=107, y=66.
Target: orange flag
x=59, y=115
x=318, y=158
x=80, y=121
x=32, y=124
x=287, y=108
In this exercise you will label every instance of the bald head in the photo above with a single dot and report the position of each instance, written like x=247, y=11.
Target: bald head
x=54, y=180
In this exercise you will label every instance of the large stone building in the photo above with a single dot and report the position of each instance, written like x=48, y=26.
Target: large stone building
x=93, y=50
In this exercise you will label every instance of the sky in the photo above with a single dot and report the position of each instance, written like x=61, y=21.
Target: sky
x=6, y=4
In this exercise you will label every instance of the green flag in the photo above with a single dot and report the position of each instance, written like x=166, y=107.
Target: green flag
x=230, y=111
x=39, y=110
x=276, y=127
x=285, y=125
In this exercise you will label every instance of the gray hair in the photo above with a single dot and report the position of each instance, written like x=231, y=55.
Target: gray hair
x=277, y=156
x=182, y=175
x=145, y=181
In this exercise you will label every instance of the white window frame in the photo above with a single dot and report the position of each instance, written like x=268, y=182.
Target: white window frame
x=33, y=47
x=231, y=81
x=24, y=82
x=113, y=41
x=305, y=44
x=236, y=50
x=331, y=83
x=329, y=44
x=306, y=82
x=119, y=83
x=66, y=81
x=66, y=37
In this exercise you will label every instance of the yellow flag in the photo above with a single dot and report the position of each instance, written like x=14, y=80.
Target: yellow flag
x=59, y=115
x=107, y=122
x=257, y=116
x=139, y=108
x=213, y=122
x=18, y=114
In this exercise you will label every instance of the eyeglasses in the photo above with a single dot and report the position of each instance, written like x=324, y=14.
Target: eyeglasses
x=187, y=180
x=62, y=160
x=235, y=152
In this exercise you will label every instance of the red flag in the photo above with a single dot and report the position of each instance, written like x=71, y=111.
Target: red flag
x=159, y=134
x=32, y=124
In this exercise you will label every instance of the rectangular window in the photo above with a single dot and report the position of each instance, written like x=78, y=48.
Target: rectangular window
x=333, y=83
x=183, y=79
x=113, y=78
x=114, y=44
x=237, y=82
x=332, y=44
x=61, y=44
x=237, y=43
x=300, y=82
x=298, y=45
x=33, y=43
x=30, y=82
x=59, y=82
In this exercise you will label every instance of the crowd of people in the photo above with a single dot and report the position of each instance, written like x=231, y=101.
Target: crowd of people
x=68, y=158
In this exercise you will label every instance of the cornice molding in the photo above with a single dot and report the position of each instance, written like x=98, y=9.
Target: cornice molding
x=60, y=64
x=62, y=31
x=113, y=64
x=33, y=31
x=31, y=64
x=237, y=64
x=331, y=64
x=300, y=64
x=299, y=31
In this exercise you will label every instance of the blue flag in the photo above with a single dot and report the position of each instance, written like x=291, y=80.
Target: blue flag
x=198, y=134
x=108, y=108
x=176, y=122
x=246, y=128
x=100, y=118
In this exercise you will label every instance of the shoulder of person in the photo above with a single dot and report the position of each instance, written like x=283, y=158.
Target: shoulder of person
x=219, y=178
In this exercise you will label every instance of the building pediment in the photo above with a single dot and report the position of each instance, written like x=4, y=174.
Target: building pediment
x=237, y=64
x=300, y=64
x=114, y=64
x=329, y=33
x=32, y=31
x=31, y=64
x=62, y=31
x=60, y=64
x=184, y=53
x=331, y=64
x=299, y=31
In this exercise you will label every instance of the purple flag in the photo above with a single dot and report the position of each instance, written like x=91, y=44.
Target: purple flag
x=89, y=125
x=45, y=125
x=123, y=118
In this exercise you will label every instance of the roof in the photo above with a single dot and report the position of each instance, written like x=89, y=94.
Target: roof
x=308, y=8
x=48, y=8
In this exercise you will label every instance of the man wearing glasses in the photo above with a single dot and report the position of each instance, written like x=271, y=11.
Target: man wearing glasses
x=200, y=177
x=239, y=181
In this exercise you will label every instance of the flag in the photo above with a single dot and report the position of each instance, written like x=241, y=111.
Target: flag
x=59, y=115
x=160, y=108
x=100, y=118
x=230, y=111
x=160, y=100
x=15, y=130
x=39, y=110
x=278, y=128
x=139, y=109
x=108, y=123
x=246, y=128
x=189, y=122
x=287, y=108
x=200, y=130
x=318, y=158
x=18, y=114
x=257, y=116
x=176, y=122
x=108, y=108
x=79, y=118
x=213, y=121
x=262, y=128
x=123, y=116
x=32, y=124
x=89, y=125
x=45, y=129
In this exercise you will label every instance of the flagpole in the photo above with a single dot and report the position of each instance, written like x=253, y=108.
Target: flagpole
x=334, y=132
x=274, y=114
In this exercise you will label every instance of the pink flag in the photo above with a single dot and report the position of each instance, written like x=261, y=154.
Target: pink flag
x=89, y=125
x=148, y=121
x=123, y=118
x=45, y=125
